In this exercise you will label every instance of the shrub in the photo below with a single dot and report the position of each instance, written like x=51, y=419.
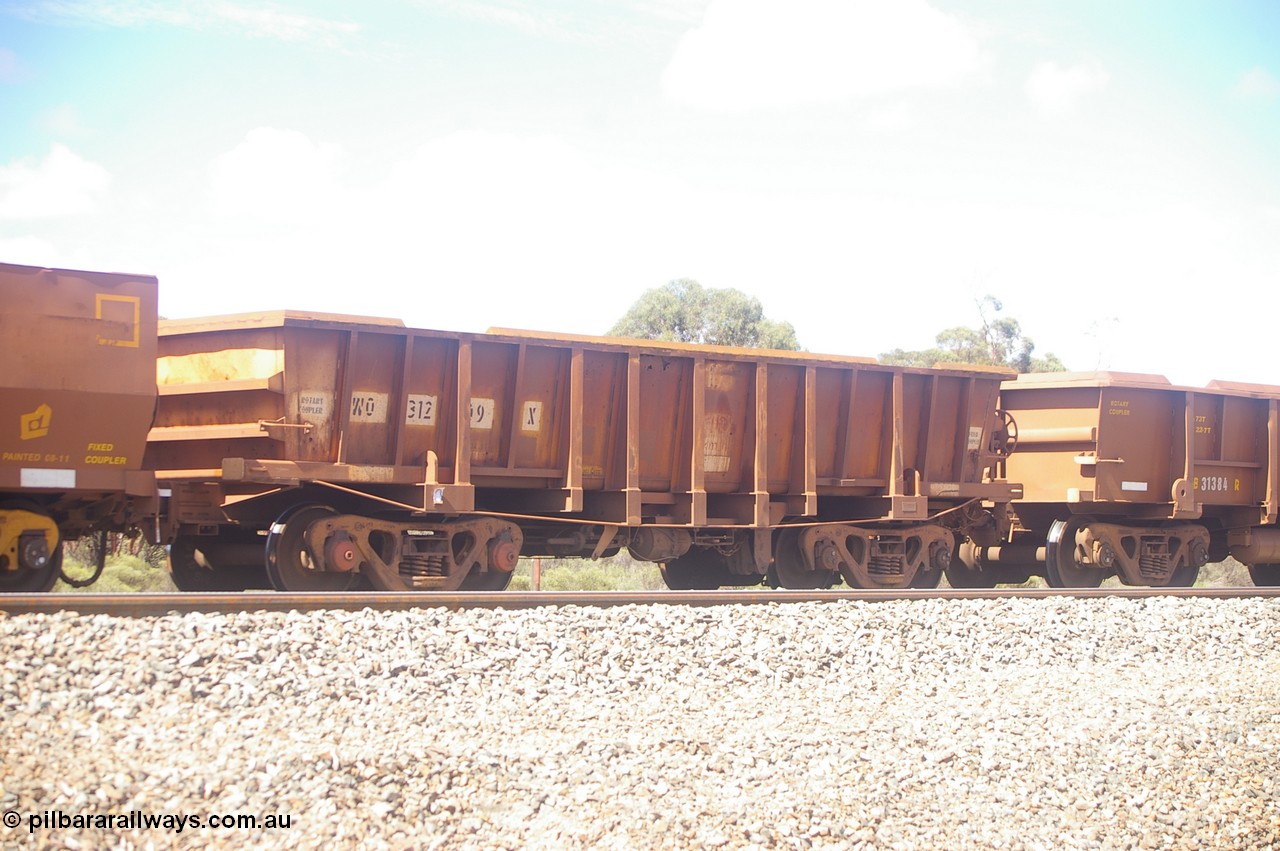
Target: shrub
x=132, y=565
x=619, y=573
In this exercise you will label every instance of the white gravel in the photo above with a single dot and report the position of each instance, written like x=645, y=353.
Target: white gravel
x=1037, y=724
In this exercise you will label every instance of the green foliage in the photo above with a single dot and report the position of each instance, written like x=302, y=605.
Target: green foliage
x=998, y=341
x=620, y=573
x=123, y=573
x=684, y=311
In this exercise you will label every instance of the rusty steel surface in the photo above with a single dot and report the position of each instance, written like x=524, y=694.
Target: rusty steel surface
x=1127, y=474
x=77, y=393
x=149, y=604
x=77, y=390
x=619, y=431
x=1122, y=438
x=579, y=442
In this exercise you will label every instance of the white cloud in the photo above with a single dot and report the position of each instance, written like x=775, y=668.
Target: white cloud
x=1257, y=84
x=890, y=118
x=275, y=175
x=472, y=229
x=60, y=121
x=761, y=54
x=475, y=208
x=61, y=184
x=682, y=11
x=630, y=20
x=254, y=21
x=28, y=251
x=514, y=15
x=270, y=23
x=1056, y=92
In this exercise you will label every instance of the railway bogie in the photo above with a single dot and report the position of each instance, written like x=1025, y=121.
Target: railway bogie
x=77, y=392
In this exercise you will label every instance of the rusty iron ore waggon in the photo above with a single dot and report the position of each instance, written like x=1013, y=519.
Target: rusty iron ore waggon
x=346, y=452
x=77, y=393
x=1131, y=476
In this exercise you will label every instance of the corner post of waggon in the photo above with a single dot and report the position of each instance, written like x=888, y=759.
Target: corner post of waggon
x=347, y=452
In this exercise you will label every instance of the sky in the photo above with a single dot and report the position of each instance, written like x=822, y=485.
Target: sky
x=868, y=170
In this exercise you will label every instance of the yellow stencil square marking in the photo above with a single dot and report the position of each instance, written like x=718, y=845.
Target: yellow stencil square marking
x=125, y=309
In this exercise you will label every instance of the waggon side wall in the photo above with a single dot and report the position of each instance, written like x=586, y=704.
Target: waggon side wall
x=611, y=430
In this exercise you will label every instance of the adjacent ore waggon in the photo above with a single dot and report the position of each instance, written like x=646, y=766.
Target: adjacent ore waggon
x=77, y=393
x=344, y=452
x=1127, y=475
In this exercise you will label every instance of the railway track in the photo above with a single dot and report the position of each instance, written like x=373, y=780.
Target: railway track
x=142, y=605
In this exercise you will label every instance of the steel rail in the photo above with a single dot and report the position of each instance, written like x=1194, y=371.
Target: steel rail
x=146, y=605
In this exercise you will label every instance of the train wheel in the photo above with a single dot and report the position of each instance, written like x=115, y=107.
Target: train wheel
x=37, y=564
x=503, y=558
x=1184, y=577
x=230, y=561
x=33, y=580
x=1265, y=575
x=960, y=575
x=188, y=567
x=1060, y=558
x=28, y=579
x=290, y=565
x=927, y=577
x=487, y=580
x=790, y=569
x=696, y=570
x=940, y=557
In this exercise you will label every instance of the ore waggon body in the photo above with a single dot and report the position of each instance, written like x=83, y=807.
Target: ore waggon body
x=77, y=392
x=1129, y=475
x=356, y=451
